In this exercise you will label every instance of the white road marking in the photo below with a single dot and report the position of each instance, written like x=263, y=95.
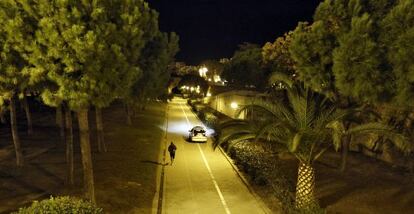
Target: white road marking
x=209, y=170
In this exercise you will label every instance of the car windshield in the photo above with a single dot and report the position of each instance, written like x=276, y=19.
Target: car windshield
x=198, y=129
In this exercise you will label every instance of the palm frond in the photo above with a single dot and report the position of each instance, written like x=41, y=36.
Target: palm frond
x=338, y=131
x=233, y=122
x=320, y=153
x=273, y=131
x=274, y=111
x=293, y=145
x=235, y=137
x=303, y=107
x=373, y=127
x=398, y=139
x=401, y=142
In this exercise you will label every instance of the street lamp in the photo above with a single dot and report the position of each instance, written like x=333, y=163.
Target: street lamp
x=234, y=105
x=202, y=71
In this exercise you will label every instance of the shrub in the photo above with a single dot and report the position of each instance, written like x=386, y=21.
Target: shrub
x=210, y=120
x=264, y=168
x=61, y=205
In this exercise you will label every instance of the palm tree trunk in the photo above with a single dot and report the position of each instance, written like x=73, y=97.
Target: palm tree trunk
x=99, y=129
x=28, y=115
x=86, y=155
x=15, y=134
x=69, y=147
x=305, y=186
x=59, y=120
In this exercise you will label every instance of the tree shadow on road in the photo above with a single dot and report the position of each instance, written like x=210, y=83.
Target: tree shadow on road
x=154, y=162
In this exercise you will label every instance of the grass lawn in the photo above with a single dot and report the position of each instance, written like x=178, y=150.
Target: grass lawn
x=125, y=176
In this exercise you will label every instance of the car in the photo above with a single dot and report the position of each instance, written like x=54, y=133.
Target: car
x=197, y=134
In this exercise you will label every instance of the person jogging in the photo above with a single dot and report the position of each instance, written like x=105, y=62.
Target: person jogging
x=171, y=150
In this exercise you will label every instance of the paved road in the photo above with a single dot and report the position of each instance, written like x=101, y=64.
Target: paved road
x=200, y=180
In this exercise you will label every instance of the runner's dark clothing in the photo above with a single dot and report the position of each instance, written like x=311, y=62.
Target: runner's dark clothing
x=171, y=150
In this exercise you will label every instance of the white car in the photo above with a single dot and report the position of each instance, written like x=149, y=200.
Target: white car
x=197, y=134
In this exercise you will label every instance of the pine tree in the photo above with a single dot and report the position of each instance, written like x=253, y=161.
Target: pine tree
x=87, y=52
x=335, y=22
x=245, y=67
x=398, y=36
x=342, y=53
x=311, y=49
x=156, y=56
x=14, y=34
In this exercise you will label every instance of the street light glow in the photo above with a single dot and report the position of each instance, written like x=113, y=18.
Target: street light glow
x=202, y=71
x=234, y=105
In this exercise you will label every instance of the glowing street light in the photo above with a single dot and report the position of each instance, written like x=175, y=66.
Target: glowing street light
x=202, y=71
x=234, y=105
x=216, y=78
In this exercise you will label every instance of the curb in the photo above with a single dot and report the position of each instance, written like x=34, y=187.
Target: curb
x=157, y=202
x=246, y=182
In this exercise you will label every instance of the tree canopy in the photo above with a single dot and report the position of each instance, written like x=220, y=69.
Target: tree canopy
x=157, y=55
x=277, y=57
x=245, y=67
x=350, y=50
x=398, y=37
x=90, y=50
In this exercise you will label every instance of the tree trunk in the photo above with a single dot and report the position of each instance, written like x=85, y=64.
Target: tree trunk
x=2, y=113
x=58, y=114
x=344, y=152
x=128, y=113
x=305, y=186
x=69, y=147
x=346, y=140
x=59, y=120
x=408, y=123
x=28, y=115
x=86, y=155
x=15, y=134
x=2, y=118
x=99, y=129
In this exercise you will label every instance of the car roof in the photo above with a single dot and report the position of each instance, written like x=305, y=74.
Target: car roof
x=198, y=128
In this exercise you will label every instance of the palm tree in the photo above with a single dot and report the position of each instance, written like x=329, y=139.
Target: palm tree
x=307, y=124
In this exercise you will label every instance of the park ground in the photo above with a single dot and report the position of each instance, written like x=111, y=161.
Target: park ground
x=126, y=175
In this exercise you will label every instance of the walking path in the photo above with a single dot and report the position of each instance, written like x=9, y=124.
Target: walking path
x=201, y=180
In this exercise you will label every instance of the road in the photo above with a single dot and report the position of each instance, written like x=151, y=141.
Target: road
x=200, y=180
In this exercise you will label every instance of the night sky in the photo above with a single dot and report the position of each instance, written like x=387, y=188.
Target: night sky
x=212, y=29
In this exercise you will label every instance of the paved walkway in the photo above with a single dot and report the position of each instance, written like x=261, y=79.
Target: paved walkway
x=200, y=180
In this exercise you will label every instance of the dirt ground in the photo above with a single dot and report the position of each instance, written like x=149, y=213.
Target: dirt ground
x=125, y=176
x=367, y=187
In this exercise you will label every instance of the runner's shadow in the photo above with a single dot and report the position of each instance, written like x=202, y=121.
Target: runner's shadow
x=154, y=162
